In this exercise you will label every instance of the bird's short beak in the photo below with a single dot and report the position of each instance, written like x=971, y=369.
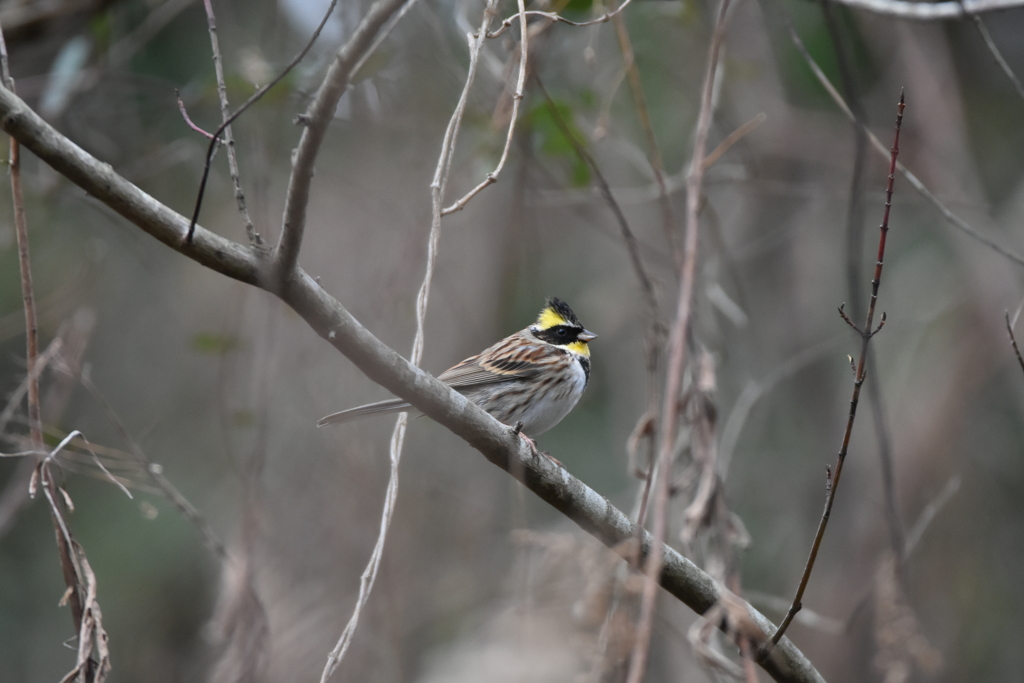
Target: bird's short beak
x=586, y=335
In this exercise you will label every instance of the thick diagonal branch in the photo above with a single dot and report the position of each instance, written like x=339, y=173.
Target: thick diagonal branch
x=328, y=318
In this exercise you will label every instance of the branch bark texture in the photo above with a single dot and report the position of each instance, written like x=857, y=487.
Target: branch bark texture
x=328, y=318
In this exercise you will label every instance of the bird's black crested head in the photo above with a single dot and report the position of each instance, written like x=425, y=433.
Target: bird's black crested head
x=558, y=325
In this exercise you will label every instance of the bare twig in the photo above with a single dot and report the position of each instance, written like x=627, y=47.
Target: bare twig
x=383, y=365
x=993, y=49
x=15, y=493
x=315, y=121
x=914, y=181
x=668, y=219
x=866, y=333
x=677, y=356
x=553, y=16
x=188, y=121
x=628, y=237
x=65, y=351
x=437, y=187
x=229, y=139
x=517, y=97
x=854, y=248
x=80, y=592
x=190, y=232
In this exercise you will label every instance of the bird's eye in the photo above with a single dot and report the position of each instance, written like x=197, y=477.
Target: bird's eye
x=563, y=333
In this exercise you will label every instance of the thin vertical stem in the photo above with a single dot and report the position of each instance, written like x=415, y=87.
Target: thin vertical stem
x=677, y=360
x=866, y=334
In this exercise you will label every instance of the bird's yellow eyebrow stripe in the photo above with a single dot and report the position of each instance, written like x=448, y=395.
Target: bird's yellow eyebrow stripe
x=549, y=318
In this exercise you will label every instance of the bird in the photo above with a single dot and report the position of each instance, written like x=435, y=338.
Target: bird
x=529, y=380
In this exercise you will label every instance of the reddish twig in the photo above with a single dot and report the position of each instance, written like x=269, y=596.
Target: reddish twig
x=326, y=316
x=188, y=121
x=866, y=333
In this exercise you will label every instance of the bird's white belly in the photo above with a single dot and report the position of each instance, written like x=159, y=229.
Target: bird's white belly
x=548, y=410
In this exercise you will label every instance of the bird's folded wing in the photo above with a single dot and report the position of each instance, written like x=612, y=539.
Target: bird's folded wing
x=473, y=371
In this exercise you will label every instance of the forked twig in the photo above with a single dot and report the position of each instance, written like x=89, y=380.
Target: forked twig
x=437, y=186
x=517, y=97
x=238, y=112
x=554, y=16
x=865, y=333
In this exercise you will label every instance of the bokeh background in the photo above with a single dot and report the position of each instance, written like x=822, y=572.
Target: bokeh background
x=222, y=385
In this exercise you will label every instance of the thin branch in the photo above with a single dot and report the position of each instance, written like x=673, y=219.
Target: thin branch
x=517, y=97
x=188, y=121
x=866, y=333
x=993, y=49
x=732, y=138
x=315, y=121
x=668, y=220
x=80, y=584
x=118, y=53
x=25, y=265
x=930, y=11
x=677, y=356
x=156, y=473
x=229, y=139
x=649, y=193
x=628, y=236
x=914, y=181
x=15, y=494
x=928, y=514
x=369, y=576
x=238, y=112
x=383, y=365
x=854, y=248
x=553, y=16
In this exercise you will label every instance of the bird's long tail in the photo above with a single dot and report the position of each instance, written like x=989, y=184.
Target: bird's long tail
x=392, y=405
